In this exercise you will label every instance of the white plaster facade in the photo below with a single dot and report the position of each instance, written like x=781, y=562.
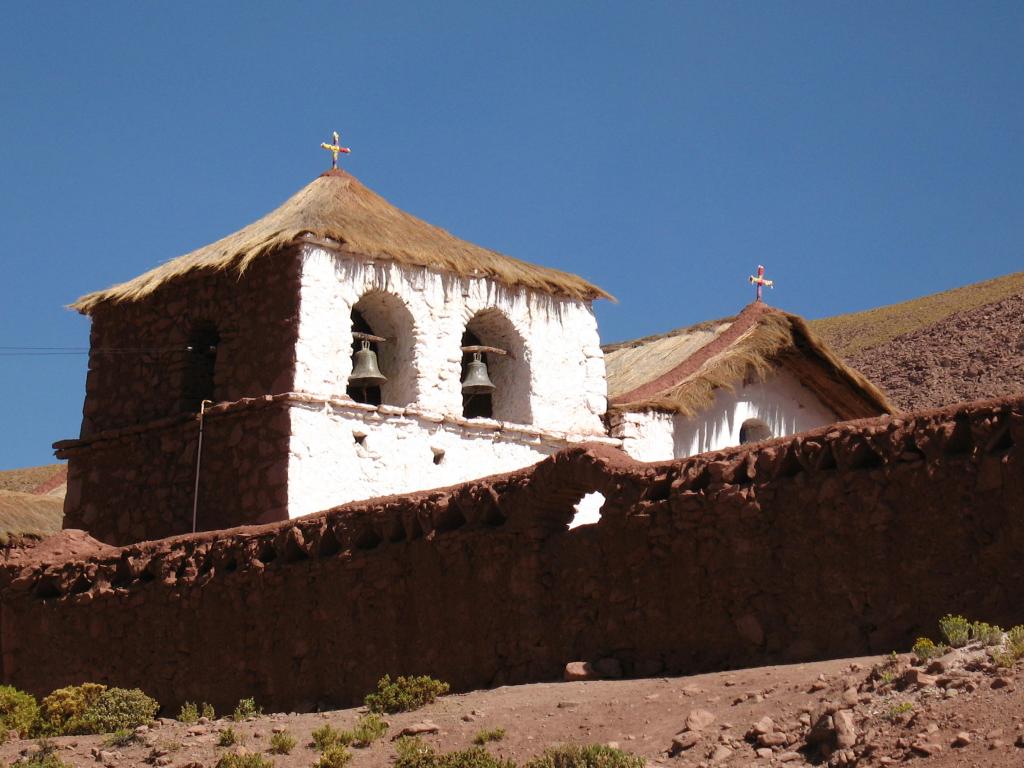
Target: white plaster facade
x=780, y=403
x=551, y=388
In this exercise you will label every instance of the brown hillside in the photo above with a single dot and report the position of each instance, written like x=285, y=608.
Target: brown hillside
x=851, y=333
x=29, y=514
x=30, y=479
x=950, y=347
x=970, y=355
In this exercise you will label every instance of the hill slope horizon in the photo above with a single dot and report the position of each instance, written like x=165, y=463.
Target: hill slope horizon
x=955, y=346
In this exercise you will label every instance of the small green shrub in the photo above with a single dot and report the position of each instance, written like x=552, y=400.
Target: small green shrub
x=246, y=708
x=487, y=736
x=121, y=738
x=118, y=709
x=189, y=713
x=254, y=760
x=61, y=713
x=327, y=736
x=986, y=634
x=1015, y=640
x=18, y=711
x=924, y=649
x=590, y=756
x=896, y=711
x=412, y=753
x=956, y=630
x=45, y=757
x=1012, y=649
x=335, y=756
x=228, y=737
x=282, y=743
x=369, y=728
x=404, y=694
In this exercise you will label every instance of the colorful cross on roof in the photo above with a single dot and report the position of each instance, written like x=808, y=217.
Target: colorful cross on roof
x=335, y=149
x=761, y=281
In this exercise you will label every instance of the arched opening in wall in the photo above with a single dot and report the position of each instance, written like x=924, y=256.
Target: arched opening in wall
x=383, y=314
x=588, y=509
x=754, y=431
x=199, y=375
x=510, y=373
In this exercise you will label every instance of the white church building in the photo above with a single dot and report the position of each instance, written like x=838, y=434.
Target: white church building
x=395, y=358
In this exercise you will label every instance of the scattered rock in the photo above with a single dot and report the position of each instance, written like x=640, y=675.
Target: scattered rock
x=418, y=729
x=567, y=704
x=963, y=738
x=919, y=678
x=789, y=757
x=762, y=726
x=846, y=734
x=720, y=754
x=926, y=748
x=699, y=719
x=580, y=670
x=774, y=739
x=685, y=740
x=1001, y=682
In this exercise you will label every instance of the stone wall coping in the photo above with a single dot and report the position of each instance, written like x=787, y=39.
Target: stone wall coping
x=63, y=448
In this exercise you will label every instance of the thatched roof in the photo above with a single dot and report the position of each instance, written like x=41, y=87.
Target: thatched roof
x=337, y=209
x=679, y=371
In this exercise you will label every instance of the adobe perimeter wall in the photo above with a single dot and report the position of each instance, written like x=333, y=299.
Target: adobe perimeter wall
x=850, y=539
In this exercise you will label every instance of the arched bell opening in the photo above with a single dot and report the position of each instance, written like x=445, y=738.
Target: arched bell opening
x=508, y=396
x=387, y=374
x=754, y=431
x=199, y=375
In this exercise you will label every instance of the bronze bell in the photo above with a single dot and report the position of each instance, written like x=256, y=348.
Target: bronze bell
x=365, y=372
x=477, y=382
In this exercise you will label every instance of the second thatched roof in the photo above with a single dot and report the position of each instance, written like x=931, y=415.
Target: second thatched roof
x=680, y=371
x=336, y=208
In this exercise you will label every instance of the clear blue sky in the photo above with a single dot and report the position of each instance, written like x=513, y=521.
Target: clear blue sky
x=865, y=152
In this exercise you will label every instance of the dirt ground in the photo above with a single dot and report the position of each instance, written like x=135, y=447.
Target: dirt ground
x=961, y=712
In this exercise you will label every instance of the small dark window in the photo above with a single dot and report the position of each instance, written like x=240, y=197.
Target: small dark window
x=368, y=395
x=200, y=366
x=754, y=431
x=474, y=406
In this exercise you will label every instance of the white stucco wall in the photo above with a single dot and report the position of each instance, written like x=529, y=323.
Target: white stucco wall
x=647, y=435
x=400, y=450
x=558, y=366
x=781, y=402
x=551, y=389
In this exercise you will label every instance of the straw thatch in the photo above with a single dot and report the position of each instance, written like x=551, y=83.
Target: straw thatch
x=718, y=355
x=338, y=209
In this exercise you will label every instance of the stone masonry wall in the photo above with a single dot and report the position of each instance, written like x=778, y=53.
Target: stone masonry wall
x=150, y=471
x=850, y=539
x=138, y=349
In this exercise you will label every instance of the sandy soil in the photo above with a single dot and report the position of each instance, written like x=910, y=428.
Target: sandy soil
x=898, y=713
